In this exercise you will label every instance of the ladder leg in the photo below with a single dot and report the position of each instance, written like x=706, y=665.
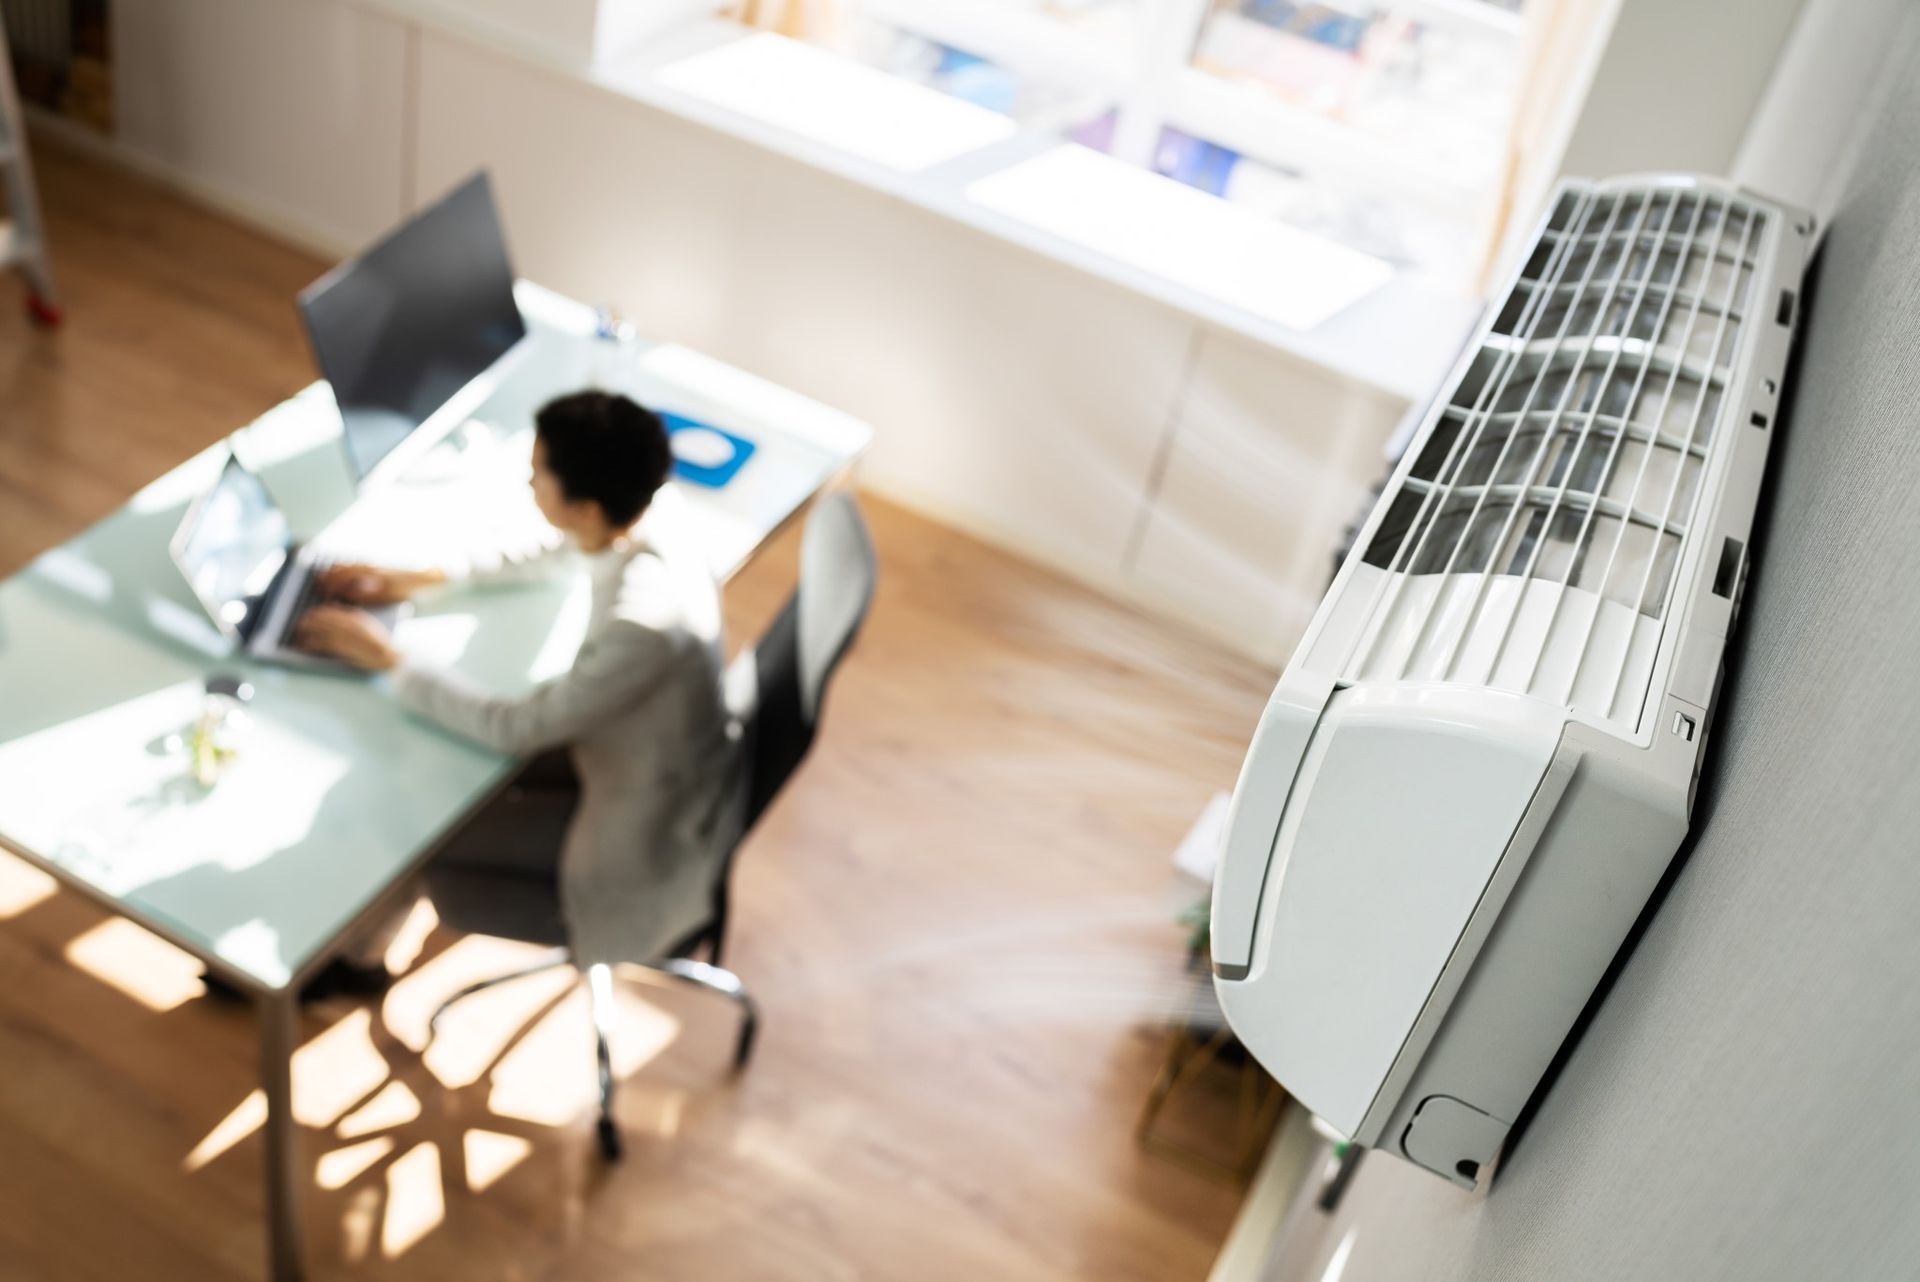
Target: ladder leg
x=27, y=237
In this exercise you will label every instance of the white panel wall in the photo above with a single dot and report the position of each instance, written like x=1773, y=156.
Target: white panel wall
x=1264, y=472
x=1016, y=397
x=289, y=110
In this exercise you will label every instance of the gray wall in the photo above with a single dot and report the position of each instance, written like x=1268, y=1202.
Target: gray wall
x=1746, y=1102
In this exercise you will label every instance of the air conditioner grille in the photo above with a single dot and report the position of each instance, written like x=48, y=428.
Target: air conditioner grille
x=1533, y=542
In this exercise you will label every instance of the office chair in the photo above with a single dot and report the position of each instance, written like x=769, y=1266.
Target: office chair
x=775, y=691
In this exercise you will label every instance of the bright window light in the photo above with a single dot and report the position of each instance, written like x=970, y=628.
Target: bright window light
x=836, y=101
x=1165, y=227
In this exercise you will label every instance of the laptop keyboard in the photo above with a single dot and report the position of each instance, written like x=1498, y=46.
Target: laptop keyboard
x=310, y=593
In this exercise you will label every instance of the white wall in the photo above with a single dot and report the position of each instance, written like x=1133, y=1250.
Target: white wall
x=1074, y=421
x=1677, y=85
x=1838, y=68
x=293, y=111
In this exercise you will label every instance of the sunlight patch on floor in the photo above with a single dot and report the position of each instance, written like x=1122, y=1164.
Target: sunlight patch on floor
x=550, y=1077
x=343, y=1166
x=137, y=962
x=393, y=1107
x=411, y=939
x=491, y=1155
x=336, y=1070
x=358, y=1224
x=249, y=1116
x=22, y=886
x=415, y=1201
x=331, y=1073
x=474, y=1032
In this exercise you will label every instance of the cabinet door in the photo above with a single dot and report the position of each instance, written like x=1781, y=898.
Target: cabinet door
x=1269, y=460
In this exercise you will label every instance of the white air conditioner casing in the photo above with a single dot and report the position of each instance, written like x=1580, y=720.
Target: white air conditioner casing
x=1481, y=758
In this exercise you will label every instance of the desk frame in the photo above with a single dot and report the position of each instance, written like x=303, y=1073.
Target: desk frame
x=277, y=1014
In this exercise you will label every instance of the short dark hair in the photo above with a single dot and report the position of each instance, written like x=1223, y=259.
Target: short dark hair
x=605, y=447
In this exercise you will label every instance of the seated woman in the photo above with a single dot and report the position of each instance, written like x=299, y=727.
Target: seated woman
x=623, y=806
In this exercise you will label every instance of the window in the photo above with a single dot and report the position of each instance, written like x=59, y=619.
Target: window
x=1381, y=126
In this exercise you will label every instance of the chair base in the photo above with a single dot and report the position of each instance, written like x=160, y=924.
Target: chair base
x=718, y=979
x=699, y=974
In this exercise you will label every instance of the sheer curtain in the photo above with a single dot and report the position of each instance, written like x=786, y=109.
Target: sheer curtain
x=1564, y=41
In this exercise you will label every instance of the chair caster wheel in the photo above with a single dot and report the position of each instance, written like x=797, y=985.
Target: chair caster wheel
x=612, y=1147
x=43, y=312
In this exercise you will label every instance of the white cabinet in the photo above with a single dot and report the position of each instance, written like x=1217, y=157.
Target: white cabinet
x=1012, y=396
x=1268, y=462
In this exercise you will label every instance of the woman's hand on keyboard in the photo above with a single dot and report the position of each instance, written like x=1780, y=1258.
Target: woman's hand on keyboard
x=359, y=584
x=351, y=636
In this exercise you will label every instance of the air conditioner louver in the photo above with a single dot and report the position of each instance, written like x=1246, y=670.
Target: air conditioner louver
x=1514, y=671
x=1534, y=543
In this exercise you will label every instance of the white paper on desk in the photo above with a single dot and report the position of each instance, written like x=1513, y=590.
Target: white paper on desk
x=1199, y=852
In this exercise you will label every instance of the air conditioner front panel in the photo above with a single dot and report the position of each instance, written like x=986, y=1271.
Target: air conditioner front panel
x=1273, y=761
x=1367, y=895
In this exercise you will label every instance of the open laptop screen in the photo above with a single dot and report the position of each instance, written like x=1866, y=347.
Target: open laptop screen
x=231, y=545
x=401, y=329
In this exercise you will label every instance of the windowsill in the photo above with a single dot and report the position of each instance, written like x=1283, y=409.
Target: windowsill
x=1400, y=337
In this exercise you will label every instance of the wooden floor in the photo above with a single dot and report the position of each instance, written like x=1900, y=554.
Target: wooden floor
x=958, y=921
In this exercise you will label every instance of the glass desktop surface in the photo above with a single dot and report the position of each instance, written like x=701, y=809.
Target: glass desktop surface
x=335, y=794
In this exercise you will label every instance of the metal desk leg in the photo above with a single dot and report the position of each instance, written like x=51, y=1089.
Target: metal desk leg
x=286, y=1183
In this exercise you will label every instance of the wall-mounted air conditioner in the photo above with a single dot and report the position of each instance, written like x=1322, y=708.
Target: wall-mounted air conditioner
x=1482, y=756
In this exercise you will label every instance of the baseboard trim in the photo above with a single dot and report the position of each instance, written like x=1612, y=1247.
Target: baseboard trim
x=265, y=219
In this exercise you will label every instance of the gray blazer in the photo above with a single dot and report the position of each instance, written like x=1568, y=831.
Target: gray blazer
x=642, y=713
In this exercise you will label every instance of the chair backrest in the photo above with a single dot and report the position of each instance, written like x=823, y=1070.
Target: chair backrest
x=784, y=678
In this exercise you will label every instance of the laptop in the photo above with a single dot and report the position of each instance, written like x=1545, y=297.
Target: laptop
x=238, y=554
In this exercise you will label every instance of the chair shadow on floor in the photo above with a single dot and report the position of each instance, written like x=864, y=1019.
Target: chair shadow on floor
x=406, y=1138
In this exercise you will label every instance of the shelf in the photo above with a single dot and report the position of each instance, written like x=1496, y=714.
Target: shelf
x=1027, y=42
x=1255, y=124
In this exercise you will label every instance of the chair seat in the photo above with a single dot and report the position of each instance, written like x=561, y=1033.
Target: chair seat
x=502, y=904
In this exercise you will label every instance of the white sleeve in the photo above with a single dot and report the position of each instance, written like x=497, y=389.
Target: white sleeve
x=523, y=561
x=612, y=673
